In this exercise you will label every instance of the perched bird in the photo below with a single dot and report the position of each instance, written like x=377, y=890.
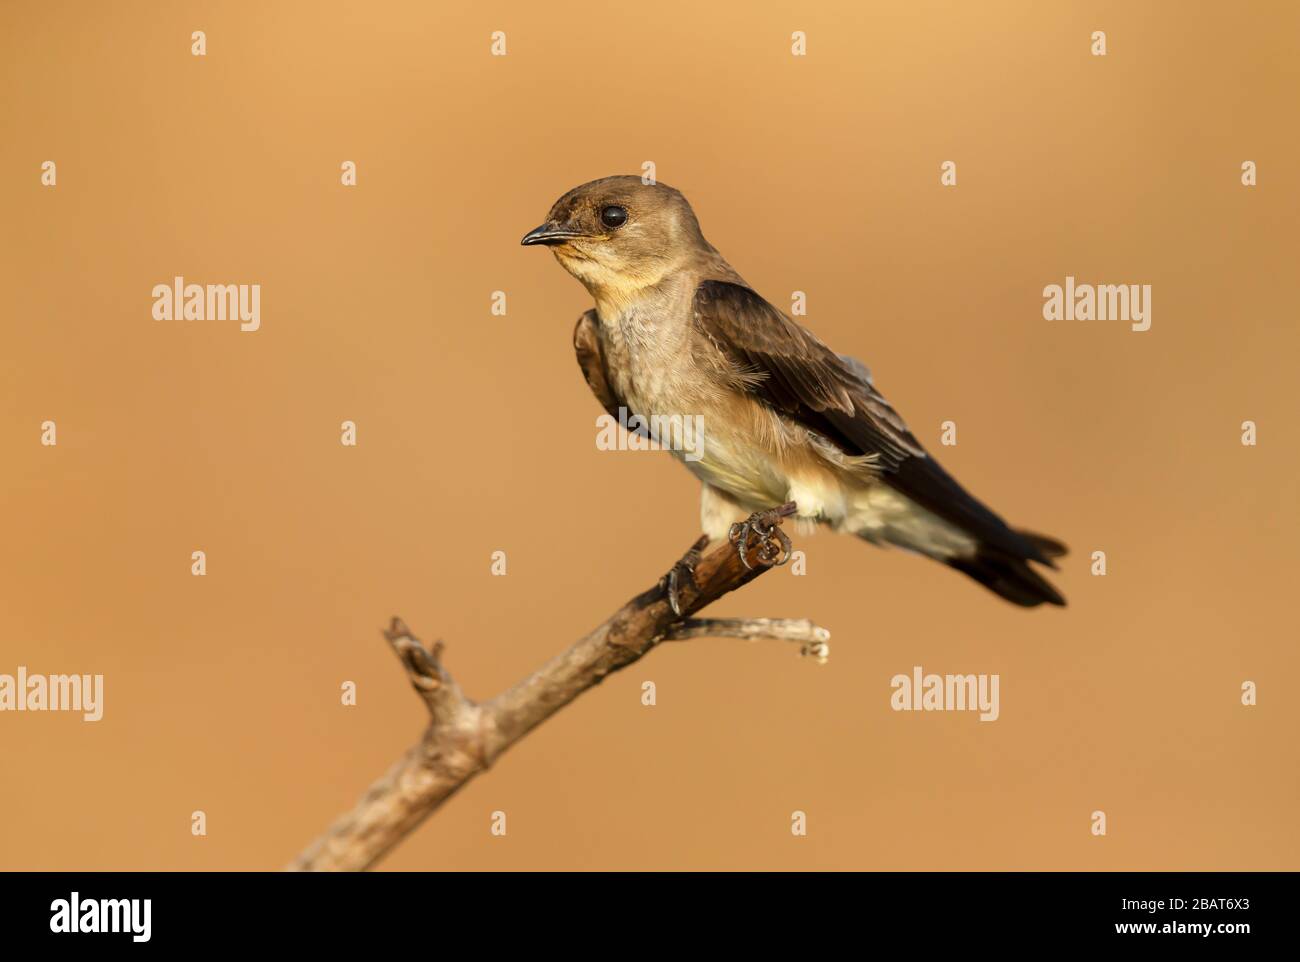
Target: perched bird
x=677, y=332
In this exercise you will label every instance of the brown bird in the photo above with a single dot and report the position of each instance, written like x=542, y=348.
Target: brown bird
x=677, y=336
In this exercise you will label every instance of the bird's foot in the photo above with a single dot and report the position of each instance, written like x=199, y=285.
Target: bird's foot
x=761, y=533
x=683, y=573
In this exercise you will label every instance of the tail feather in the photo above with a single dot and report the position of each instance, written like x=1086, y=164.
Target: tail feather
x=1010, y=577
x=1049, y=548
x=979, y=544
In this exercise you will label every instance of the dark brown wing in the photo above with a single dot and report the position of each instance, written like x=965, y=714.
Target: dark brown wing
x=586, y=344
x=811, y=384
x=591, y=358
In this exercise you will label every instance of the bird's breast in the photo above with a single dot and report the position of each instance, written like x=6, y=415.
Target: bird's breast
x=723, y=435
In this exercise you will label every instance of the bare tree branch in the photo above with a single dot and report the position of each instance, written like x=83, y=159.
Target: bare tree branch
x=813, y=639
x=464, y=738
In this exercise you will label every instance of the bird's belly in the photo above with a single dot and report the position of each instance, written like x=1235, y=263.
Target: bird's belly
x=735, y=444
x=746, y=456
x=704, y=435
x=748, y=473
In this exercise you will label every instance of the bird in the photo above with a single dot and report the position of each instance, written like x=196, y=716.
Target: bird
x=676, y=332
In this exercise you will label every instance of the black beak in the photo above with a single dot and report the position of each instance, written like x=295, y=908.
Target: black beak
x=548, y=235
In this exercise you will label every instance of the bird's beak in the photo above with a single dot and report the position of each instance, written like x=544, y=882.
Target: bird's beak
x=548, y=235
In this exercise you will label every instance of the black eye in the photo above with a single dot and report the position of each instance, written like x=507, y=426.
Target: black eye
x=613, y=216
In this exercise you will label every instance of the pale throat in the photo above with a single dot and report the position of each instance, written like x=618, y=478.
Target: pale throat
x=614, y=281
x=616, y=305
x=631, y=298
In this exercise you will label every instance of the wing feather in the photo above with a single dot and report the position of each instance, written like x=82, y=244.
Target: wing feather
x=805, y=380
x=586, y=345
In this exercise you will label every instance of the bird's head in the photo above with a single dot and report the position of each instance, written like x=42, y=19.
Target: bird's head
x=618, y=234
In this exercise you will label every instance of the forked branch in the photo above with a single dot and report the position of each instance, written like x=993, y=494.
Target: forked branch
x=464, y=737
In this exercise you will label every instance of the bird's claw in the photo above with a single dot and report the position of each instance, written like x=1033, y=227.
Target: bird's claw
x=761, y=532
x=683, y=569
x=682, y=573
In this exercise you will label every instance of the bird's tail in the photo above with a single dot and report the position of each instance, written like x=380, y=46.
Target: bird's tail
x=1009, y=575
x=975, y=542
x=1049, y=548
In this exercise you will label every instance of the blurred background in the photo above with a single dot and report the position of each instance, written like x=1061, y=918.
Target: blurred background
x=476, y=433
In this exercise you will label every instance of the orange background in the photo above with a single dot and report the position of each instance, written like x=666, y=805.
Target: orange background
x=476, y=433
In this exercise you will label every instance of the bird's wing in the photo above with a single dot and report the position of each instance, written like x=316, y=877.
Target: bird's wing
x=586, y=344
x=809, y=383
x=591, y=358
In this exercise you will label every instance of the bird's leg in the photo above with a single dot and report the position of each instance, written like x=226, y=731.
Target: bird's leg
x=683, y=572
x=761, y=532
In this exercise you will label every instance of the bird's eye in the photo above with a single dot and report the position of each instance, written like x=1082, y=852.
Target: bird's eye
x=613, y=216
